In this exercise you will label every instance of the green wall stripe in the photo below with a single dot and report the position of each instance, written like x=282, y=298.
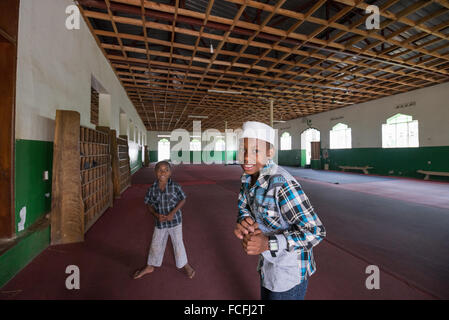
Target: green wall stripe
x=135, y=162
x=32, y=158
x=17, y=257
x=152, y=155
x=303, y=157
x=395, y=162
x=289, y=157
x=217, y=155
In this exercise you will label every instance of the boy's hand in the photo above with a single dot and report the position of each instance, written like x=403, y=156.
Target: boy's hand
x=255, y=243
x=161, y=217
x=245, y=227
x=171, y=215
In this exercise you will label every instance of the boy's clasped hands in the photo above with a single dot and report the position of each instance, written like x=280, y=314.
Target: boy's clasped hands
x=254, y=242
x=163, y=217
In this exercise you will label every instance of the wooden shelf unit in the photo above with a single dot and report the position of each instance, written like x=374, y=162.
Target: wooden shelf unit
x=121, y=167
x=82, y=177
x=96, y=173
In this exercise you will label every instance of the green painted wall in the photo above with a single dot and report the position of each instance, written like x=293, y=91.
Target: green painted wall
x=396, y=162
x=193, y=155
x=32, y=158
x=152, y=155
x=17, y=257
x=303, y=157
x=136, y=162
x=289, y=157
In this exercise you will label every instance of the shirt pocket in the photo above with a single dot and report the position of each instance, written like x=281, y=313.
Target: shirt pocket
x=173, y=201
x=154, y=199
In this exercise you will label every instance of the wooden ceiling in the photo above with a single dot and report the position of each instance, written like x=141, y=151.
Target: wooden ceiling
x=308, y=56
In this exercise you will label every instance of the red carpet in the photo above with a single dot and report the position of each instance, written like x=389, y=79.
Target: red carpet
x=118, y=244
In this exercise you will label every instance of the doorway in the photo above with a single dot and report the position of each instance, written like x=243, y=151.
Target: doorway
x=307, y=137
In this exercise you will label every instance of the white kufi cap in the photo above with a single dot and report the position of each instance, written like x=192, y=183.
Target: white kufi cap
x=258, y=130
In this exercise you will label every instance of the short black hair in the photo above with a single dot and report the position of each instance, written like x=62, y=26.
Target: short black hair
x=160, y=163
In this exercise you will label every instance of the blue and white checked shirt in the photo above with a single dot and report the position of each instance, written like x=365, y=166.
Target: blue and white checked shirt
x=277, y=202
x=165, y=201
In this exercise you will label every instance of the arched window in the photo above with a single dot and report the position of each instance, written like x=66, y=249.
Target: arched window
x=163, y=150
x=195, y=145
x=220, y=145
x=340, y=137
x=286, y=141
x=400, y=131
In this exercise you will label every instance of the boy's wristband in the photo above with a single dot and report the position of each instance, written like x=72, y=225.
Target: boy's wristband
x=273, y=245
x=282, y=241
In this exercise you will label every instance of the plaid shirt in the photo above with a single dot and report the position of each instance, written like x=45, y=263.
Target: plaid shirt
x=281, y=208
x=165, y=201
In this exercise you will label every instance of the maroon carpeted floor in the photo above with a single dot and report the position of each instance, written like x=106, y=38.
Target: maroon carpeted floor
x=118, y=244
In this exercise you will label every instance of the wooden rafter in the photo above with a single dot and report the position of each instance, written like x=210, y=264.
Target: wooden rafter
x=306, y=63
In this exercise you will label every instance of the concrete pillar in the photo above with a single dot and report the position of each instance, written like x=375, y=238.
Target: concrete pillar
x=226, y=145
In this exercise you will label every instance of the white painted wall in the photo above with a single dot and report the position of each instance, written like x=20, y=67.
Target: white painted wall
x=366, y=119
x=54, y=72
x=104, y=110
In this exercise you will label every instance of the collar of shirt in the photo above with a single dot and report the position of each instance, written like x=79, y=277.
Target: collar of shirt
x=156, y=184
x=267, y=170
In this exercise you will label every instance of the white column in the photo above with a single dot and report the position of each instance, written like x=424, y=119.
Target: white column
x=226, y=144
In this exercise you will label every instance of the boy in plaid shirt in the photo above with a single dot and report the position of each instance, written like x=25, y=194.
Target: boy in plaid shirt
x=164, y=200
x=275, y=220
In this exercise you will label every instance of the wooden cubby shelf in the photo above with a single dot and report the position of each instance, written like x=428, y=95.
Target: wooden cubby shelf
x=82, y=177
x=96, y=173
x=121, y=169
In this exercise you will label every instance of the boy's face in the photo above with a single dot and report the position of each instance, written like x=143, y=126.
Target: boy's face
x=254, y=155
x=163, y=172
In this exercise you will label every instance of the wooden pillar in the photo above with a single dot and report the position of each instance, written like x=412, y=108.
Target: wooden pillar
x=9, y=17
x=67, y=212
x=146, y=157
x=115, y=163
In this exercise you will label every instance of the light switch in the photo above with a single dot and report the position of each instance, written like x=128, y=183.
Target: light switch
x=45, y=175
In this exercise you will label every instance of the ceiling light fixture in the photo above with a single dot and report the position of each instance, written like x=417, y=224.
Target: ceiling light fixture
x=199, y=117
x=223, y=91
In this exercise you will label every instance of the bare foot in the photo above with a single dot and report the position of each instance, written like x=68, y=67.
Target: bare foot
x=189, y=271
x=140, y=273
